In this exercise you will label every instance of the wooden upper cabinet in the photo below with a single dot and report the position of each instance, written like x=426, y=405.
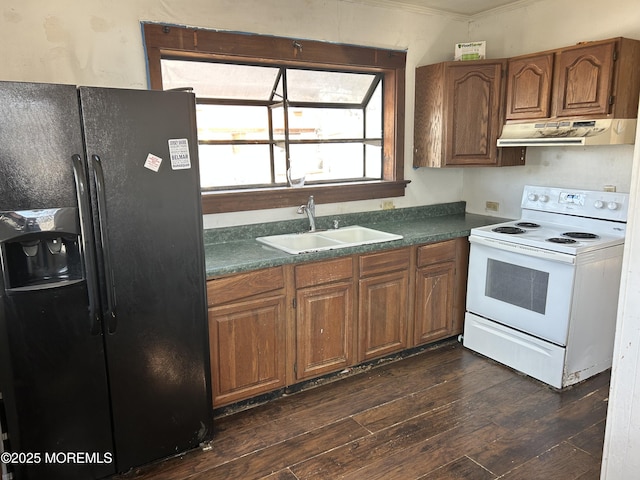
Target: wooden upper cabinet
x=459, y=115
x=589, y=80
x=529, y=87
x=584, y=79
x=473, y=92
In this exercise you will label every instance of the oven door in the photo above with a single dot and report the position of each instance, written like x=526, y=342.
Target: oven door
x=521, y=287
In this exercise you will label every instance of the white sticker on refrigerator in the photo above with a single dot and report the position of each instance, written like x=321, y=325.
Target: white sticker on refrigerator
x=179, y=153
x=153, y=162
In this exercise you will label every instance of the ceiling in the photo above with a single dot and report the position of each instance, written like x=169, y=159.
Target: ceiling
x=456, y=8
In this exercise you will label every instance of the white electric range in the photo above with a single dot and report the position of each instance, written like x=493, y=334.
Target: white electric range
x=542, y=292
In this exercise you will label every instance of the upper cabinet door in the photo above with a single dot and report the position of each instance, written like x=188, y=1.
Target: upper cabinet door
x=583, y=79
x=473, y=93
x=529, y=87
x=459, y=112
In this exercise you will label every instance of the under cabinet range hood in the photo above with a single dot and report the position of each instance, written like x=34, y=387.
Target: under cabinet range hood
x=569, y=132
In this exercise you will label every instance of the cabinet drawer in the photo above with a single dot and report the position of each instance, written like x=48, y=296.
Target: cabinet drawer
x=324, y=272
x=436, y=253
x=243, y=285
x=384, y=262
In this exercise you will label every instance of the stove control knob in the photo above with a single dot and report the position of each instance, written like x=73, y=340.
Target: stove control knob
x=612, y=206
x=544, y=198
x=598, y=204
x=532, y=197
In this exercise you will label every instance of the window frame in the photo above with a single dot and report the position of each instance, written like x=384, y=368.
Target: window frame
x=169, y=41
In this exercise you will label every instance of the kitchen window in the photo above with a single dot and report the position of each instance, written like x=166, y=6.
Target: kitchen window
x=269, y=106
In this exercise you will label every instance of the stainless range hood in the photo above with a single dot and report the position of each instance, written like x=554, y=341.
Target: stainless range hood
x=569, y=132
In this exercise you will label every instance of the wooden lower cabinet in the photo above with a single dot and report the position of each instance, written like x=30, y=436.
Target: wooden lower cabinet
x=324, y=317
x=434, y=302
x=441, y=278
x=383, y=297
x=247, y=334
x=275, y=327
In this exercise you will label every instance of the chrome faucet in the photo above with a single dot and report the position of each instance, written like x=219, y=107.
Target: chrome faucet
x=310, y=210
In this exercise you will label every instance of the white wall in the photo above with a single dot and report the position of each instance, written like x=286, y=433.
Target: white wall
x=622, y=442
x=544, y=25
x=579, y=167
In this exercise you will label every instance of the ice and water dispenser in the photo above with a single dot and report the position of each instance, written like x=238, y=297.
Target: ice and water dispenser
x=40, y=248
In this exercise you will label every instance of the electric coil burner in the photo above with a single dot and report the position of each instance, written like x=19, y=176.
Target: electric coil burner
x=509, y=230
x=583, y=235
x=561, y=240
x=543, y=290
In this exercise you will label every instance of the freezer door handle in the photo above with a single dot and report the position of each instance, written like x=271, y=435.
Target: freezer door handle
x=84, y=208
x=110, y=312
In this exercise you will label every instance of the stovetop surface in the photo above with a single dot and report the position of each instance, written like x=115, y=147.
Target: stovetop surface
x=562, y=211
x=607, y=235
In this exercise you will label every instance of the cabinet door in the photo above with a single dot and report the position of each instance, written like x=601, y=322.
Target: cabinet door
x=247, y=341
x=473, y=94
x=429, y=116
x=583, y=80
x=324, y=324
x=529, y=87
x=434, y=316
x=382, y=325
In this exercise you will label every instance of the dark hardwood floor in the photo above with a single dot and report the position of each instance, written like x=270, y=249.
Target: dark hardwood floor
x=445, y=413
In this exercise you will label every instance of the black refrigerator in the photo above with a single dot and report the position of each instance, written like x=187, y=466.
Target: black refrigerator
x=104, y=356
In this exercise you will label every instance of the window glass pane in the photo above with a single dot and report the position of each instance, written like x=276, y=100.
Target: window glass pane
x=327, y=87
x=374, y=114
x=280, y=165
x=325, y=123
x=231, y=165
x=232, y=122
x=238, y=163
x=329, y=161
x=219, y=80
x=373, y=163
x=278, y=123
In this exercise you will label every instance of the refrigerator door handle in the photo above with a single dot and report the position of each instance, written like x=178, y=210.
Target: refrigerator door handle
x=110, y=313
x=84, y=208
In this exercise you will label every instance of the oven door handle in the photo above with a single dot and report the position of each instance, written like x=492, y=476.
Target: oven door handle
x=524, y=250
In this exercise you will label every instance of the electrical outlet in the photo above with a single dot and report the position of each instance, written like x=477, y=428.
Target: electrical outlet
x=492, y=206
x=388, y=205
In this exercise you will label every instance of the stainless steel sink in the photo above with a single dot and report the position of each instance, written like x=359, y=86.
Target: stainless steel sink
x=295, y=243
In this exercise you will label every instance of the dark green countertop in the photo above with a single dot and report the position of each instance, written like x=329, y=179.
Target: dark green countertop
x=234, y=249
